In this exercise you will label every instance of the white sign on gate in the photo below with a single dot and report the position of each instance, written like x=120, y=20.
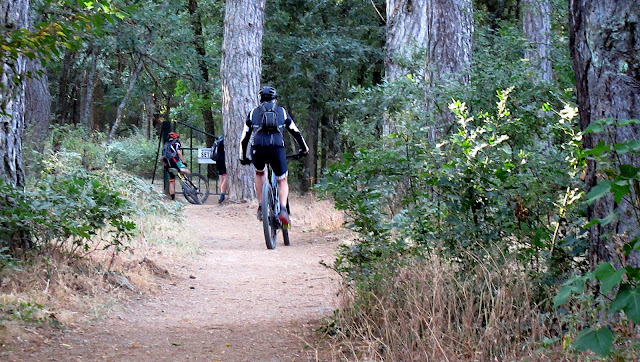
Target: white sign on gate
x=204, y=155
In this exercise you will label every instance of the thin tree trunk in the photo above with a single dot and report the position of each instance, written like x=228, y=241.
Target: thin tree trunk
x=132, y=82
x=13, y=15
x=66, y=94
x=606, y=60
x=207, y=115
x=37, y=113
x=87, y=105
x=240, y=73
x=311, y=137
x=536, y=24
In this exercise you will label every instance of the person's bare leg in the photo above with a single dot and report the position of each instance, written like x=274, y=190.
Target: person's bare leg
x=172, y=189
x=223, y=184
x=259, y=181
x=283, y=191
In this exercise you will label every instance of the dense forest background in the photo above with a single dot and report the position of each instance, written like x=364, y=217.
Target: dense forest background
x=485, y=152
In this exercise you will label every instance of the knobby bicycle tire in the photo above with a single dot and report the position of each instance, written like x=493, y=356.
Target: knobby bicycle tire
x=268, y=216
x=188, y=191
x=201, y=185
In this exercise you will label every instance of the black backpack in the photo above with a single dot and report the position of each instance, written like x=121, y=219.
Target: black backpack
x=216, y=147
x=168, y=151
x=269, y=121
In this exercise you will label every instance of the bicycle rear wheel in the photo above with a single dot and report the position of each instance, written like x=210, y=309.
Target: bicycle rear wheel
x=201, y=187
x=269, y=216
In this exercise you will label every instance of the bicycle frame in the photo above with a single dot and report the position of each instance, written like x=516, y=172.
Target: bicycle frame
x=190, y=191
x=273, y=181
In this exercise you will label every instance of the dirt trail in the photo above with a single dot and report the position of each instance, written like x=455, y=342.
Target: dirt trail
x=237, y=301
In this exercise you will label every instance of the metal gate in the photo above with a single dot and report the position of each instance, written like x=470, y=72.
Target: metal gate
x=202, y=154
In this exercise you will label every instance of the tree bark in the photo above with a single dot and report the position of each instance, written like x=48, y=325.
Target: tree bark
x=13, y=15
x=443, y=30
x=240, y=73
x=132, y=82
x=536, y=24
x=605, y=49
x=406, y=34
x=449, y=45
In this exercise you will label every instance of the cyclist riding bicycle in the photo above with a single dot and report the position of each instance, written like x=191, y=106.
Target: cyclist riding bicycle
x=172, y=158
x=266, y=123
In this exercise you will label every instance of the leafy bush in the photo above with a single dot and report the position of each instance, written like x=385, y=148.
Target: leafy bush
x=66, y=210
x=134, y=154
x=478, y=189
x=595, y=312
x=73, y=209
x=76, y=139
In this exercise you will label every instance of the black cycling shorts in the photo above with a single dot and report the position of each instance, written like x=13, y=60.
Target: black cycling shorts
x=273, y=155
x=173, y=163
x=221, y=166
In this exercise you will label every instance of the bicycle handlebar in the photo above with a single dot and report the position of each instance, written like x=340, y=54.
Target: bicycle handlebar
x=296, y=156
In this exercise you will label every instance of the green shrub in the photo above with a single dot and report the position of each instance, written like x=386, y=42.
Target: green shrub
x=134, y=154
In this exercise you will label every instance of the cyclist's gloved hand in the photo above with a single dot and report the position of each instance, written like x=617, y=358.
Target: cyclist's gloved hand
x=245, y=161
x=303, y=153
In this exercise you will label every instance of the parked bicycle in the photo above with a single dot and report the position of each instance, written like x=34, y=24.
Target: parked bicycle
x=195, y=187
x=271, y=208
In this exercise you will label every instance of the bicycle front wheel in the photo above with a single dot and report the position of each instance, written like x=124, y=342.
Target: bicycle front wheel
x=200, y=187
x=269, y=216
x=189, y=191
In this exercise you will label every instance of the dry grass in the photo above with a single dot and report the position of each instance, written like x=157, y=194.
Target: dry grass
x=425, y=312
x=58, y=290
x=312, y=214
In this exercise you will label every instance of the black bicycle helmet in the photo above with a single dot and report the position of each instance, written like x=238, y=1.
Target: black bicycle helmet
x=267, y=94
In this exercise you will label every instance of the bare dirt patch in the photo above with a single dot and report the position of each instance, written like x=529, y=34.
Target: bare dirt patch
x=233, y=300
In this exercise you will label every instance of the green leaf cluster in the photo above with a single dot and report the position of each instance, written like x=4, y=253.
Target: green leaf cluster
x=619, y=282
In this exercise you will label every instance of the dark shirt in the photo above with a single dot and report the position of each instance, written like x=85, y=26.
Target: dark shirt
x=269, y=139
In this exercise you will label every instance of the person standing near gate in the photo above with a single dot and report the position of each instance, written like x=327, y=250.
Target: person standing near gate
x=172, y=158
x=218, y=151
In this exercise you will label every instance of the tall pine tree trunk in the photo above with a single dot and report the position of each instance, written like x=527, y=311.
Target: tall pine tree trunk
x=536, y=24
x=449, y=43
x=605, y=48
x=63, y=107
x=240, y=73
x=405, y=33
x=13, y=15
x=442, y=30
